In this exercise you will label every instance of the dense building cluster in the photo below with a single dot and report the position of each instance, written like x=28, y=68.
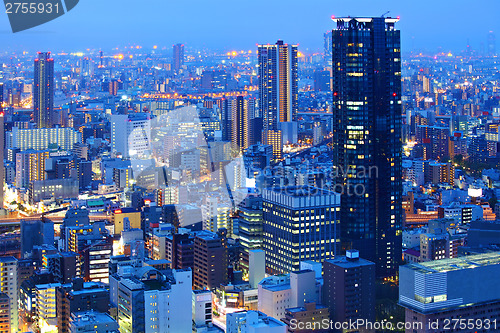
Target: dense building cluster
x=178, y=190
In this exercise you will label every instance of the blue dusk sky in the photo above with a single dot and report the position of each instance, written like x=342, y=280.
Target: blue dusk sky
x=241, y=24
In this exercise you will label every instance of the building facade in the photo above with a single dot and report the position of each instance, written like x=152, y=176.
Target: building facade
x=367, y=137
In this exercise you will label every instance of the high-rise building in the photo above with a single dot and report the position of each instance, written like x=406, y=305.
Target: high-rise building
x=210, y=260
x=367, y=137
x=178, y=57
x=278, y=89
x=2, y=148
x=327, y=44
x=300, y=223
x=43, y=90
x=349, y=288
x=30, y=166
x=242, y=114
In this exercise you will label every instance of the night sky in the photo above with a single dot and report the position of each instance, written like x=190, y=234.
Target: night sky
x=241, y=24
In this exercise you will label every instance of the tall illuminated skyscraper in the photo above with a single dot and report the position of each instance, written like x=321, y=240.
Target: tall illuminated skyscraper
x=242, y=114
x=43, y=90
x=367, y=137
x=278, y=90
x=178, y=57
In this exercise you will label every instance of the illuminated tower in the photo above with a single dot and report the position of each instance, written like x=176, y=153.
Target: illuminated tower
x=278, y=91
x=242, y=114
x=367, y=137
x=178, y=58
x=43, y=90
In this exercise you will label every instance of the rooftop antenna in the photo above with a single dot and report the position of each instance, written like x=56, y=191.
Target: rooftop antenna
x=384, y=14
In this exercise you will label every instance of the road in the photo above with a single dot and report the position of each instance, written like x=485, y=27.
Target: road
x=56, y=219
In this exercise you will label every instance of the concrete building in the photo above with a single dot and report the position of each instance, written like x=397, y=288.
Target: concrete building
x=349, y=288
x=304, y=316
x=130, y=134
x=253, y=322
x=202, y=307
x=79, y=296
x=92, y=322
x=210, y=260
x=436, y=291
x=279, y=292
x=149, y=301
x=8, y=271
x=4, y=313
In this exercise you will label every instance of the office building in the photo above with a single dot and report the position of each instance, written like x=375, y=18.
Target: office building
x=94, y=246
x=178, y=57
x=367, y=137
x=278, y=89
x=43, y=90
x=300, y=223
x=210, y=260
x=277, y=293
x=130, y=134
x=53, y=189
x=92, y=322
x=250, y=224
x=349, y=288
x=451, y=288
x=202, y=307
x=168, y=308
x=253, y=321
x=79, y=296
x=150, y=301
x=35, y=232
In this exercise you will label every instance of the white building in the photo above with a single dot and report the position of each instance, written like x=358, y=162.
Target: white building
x=253, y=322
x=202, y=307
x=170, y=310
x=130, y=134
x=216, y=215
x=278, y=293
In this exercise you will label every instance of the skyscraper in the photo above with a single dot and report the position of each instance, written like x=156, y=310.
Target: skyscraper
x=367, y=137
x=2, y=147
x=178, y=57
x=242, y=114
x=278, y=90
x=43, y=90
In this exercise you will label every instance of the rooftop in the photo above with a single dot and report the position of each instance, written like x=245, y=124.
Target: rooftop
x=447, y=265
